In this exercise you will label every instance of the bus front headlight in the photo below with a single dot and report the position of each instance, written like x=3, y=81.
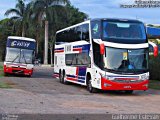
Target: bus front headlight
x=29, y=67
x=144, y=77
x=109, y=77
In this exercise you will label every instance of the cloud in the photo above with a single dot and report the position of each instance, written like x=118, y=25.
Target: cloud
x=111, y=8
x=102, y=9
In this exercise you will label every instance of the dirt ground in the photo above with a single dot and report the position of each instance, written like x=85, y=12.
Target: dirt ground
x=42, y=94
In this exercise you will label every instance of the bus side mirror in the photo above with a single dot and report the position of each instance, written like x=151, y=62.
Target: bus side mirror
x=155, y=49
x=102, y=48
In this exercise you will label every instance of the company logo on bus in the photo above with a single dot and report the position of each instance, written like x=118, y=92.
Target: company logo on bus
x=20, y=44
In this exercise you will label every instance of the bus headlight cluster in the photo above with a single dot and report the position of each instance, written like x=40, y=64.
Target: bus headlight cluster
x=109, y=78
x=144, y=77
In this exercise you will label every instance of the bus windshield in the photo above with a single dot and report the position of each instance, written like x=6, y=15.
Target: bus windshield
x=19, y=55
x=123, y=30
x=126, y=60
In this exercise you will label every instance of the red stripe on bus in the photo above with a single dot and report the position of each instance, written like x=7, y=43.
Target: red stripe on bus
x=77, y=49
x=77, y=70
x=58, y=51
x=73, y=79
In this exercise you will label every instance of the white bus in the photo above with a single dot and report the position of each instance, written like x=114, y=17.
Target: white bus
x=20, y=55
x=107, y=54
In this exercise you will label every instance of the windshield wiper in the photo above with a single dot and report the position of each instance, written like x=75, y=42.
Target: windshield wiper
x=15, y=58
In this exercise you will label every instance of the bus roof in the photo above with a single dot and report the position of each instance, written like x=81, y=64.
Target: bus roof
x=99, y=19
x=117, y=19
x=21, y=38
x=73, y=26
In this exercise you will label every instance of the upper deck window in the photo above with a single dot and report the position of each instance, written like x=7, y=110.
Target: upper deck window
x=74, y=34
x=124, y=32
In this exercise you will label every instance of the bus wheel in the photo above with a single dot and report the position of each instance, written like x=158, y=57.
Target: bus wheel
x=64, y=79
x=28, y=76
x=60, y=77
x=89, y=86
x=129, y=91
x=5, y=74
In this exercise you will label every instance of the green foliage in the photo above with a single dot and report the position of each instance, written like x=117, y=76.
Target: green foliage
x=6, y=29
x=1, y=67
x=154, y=84
x=74, y=15
x=154, y=66
x=1, y=70
x=29, y=20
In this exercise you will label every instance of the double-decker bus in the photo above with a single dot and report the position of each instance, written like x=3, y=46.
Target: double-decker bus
x=20, y=54
x=107, y=54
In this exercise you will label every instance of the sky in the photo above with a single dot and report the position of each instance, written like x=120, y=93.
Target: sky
x=104, y=9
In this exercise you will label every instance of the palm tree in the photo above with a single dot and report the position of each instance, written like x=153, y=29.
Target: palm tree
x=20, y=13
x=42, y=8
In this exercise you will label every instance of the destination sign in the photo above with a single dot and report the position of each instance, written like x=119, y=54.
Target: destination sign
x=21, y=44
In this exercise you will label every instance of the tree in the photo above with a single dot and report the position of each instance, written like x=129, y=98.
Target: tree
x=20, y=17
x=42, y=7
x=6, y=29
x=30, y=20
x=74, y=15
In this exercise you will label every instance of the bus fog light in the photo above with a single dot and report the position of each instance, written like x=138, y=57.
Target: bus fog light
x=107, y=85
x=145, y=85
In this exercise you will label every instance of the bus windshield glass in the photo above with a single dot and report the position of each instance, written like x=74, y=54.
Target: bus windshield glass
x=19, y=55
x=126, y=60
x=123, y=30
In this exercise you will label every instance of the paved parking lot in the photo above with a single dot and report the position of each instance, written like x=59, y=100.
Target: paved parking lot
x=44, y=94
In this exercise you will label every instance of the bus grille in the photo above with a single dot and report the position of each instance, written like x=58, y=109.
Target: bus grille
x=18, y=71
x=127, y=81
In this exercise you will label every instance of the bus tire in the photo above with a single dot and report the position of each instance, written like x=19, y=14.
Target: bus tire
x=64, y=78
x=5, y=74
x=90, y=88
x=129, y=91
x=29, y=76
x=60, y=76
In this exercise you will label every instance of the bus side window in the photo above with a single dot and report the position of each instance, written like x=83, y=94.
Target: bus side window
x=69, y=59
x=55, y=60
x=96, y=29
x=80, y=59
x=83, y=59
x=85, y=32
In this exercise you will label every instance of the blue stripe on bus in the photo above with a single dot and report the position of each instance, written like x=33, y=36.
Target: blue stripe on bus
x=81, y=81
x=82, y=71
x=72, y=76
x=83, y=78
x=79, y=77
x=59, y=48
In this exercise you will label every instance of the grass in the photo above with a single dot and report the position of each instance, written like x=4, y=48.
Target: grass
x=1, y=67
x=154, y=84
x=1, y=71
x=4, y=85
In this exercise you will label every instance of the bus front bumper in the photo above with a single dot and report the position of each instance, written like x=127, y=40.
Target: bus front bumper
x=20, y=71
x=112, y=85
